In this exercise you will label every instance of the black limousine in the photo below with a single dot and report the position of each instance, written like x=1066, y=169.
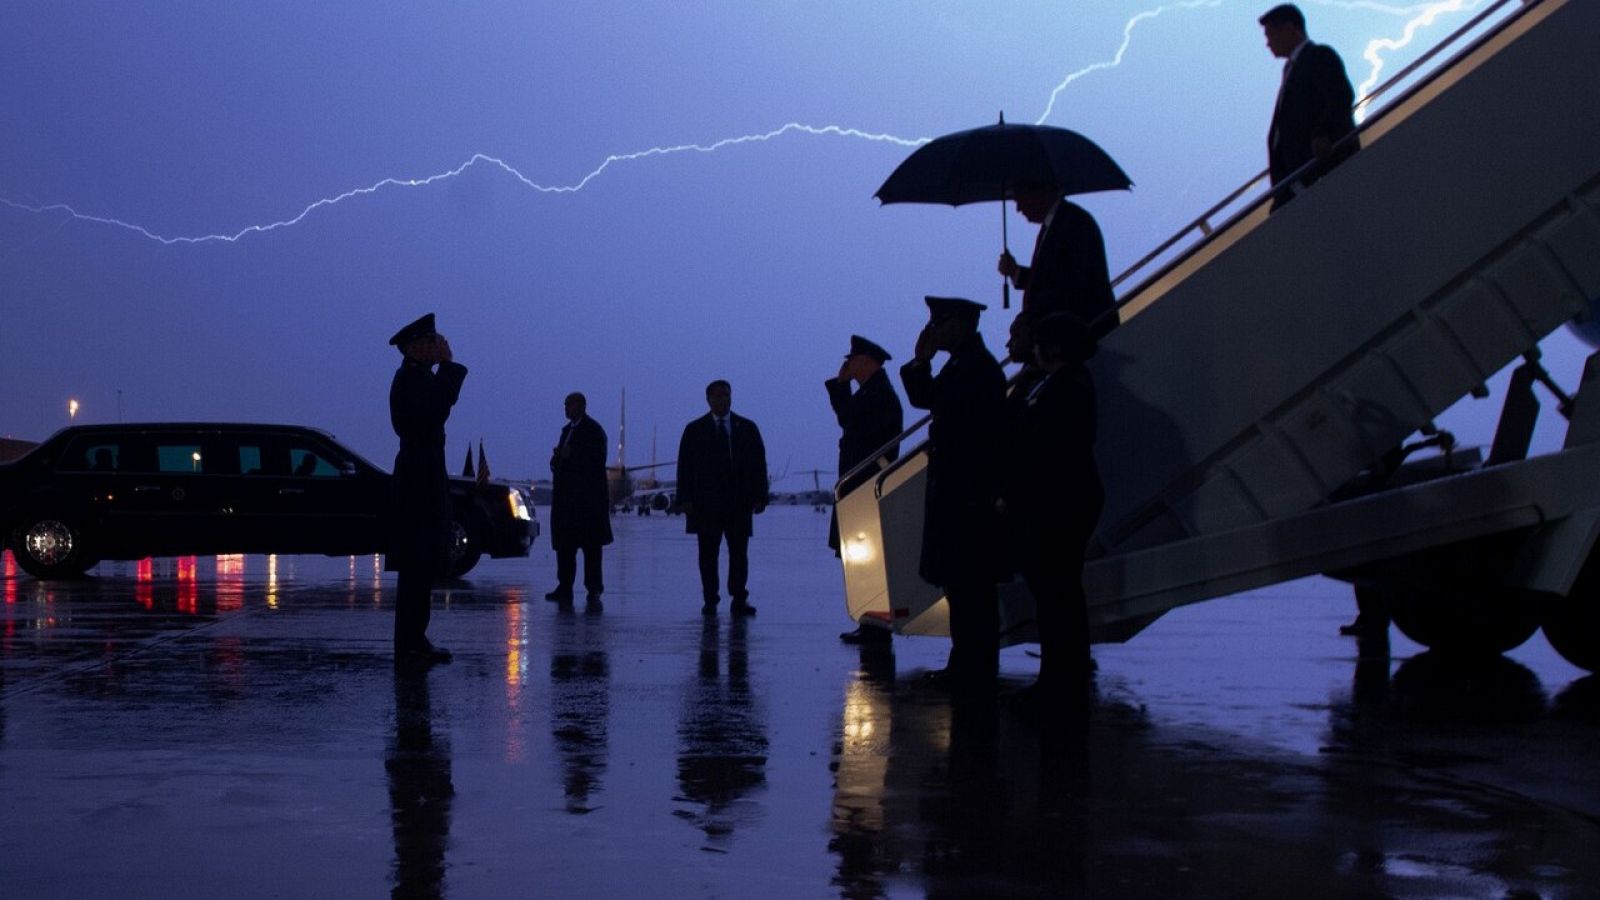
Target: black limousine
x=96, y=492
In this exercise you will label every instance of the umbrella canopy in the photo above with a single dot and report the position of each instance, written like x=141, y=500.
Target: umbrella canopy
x=989, y=163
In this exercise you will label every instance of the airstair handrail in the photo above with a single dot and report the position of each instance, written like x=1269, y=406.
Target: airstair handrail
x=1210, y=232
x=1203, y=225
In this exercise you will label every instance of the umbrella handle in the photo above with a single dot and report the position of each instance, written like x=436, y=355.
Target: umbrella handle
x=1005, y=241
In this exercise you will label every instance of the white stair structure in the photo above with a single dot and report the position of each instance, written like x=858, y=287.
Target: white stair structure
x=1269, y=364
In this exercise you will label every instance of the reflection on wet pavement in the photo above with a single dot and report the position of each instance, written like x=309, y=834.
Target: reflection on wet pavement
x=236, y=727
x=722, y=741
x=420, y=791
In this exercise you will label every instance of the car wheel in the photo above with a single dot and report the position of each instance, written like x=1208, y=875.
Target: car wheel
x=51, y=547
x=466, y=548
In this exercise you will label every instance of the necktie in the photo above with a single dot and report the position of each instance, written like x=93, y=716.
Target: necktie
x=727, y=439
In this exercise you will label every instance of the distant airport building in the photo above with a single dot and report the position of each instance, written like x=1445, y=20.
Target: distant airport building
x=12, y=449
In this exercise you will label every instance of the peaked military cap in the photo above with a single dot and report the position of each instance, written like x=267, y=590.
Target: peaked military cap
x=862, y=346
x=420, y=328
x=940, y=307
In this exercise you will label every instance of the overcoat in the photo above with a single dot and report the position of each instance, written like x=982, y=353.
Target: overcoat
x=1051, y=486
x=580, y=500
x=960, y=538
x=419, y=403
x=722, y=492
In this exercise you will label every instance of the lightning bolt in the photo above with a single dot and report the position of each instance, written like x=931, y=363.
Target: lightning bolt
x=476, y=159
x=1116, y=59
x=1424, y=14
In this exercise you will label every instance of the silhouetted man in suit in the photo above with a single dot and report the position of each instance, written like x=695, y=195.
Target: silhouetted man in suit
x=1314, y=108
x=1051, y=496
x=1068, y=271
x=962, y=551
x=722, y=483
x=580, y=501
x=870, y=418
x=419, y=403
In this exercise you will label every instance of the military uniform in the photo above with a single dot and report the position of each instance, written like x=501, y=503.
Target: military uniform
x=962, y=551
x=870, y=418
x=419, y=403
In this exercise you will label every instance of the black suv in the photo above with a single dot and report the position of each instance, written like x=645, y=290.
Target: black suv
x=98, y=492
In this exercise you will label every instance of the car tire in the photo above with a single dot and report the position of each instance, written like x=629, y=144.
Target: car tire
x=466, y=548
x=51, y=546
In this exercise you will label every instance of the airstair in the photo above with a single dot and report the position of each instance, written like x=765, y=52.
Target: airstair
x=1269, y=365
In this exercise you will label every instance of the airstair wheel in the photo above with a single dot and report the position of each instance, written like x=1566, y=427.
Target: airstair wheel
x=1451, y=598
x=1464, y=620
x=1572, y=623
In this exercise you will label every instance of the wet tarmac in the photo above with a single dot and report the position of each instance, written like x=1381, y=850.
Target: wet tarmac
x=234, y=727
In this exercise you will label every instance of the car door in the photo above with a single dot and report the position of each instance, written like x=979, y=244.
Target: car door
x=332, y=503
x=92, y=480
x=252, y=470
x=179, y=504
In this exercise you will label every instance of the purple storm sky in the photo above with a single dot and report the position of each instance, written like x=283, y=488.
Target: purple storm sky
x=152, y=150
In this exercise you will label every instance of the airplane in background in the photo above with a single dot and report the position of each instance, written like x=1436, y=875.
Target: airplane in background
x=645, y=494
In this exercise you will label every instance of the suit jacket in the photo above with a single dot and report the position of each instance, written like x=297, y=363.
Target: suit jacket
x=960, y=543
x=1051, y=486
x=580, y=500
x=419, y=403
x=722, y=493
x=1316, y=100
x=1068, y=271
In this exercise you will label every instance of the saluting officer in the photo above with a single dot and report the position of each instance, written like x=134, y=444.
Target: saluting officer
x=870, y=417
x=962, y=552
x=419, y=403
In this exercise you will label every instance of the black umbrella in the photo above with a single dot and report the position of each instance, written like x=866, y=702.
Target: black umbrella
x=990, y=163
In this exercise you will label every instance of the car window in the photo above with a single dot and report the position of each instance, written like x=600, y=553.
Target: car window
x=306, y=462
x=250, y=459
x=179, y=458
x=93, y=455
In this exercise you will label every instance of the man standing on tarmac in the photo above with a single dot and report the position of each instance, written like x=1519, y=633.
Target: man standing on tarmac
x=419, y=403
x=722, y=483
x=870, y=418
x=962, y=550
x=580, y=502
x=1051, y=498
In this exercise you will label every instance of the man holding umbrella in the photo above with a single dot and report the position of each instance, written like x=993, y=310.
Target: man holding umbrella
x=1035, y=165
x=1068, y=272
